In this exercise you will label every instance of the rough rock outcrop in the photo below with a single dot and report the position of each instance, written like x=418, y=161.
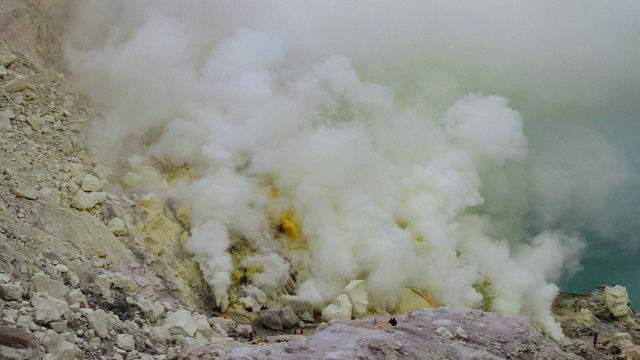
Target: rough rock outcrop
x=480, y=335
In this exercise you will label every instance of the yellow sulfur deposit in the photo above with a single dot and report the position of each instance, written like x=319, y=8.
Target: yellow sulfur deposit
x=175, y=173
x=289, y=225
x=485, y=288
x=163, y=237
x=409, y=300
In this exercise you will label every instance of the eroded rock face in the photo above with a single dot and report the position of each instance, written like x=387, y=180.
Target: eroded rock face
x=473, y=335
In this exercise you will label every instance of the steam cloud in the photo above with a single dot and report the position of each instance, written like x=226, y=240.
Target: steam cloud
x=364, y=120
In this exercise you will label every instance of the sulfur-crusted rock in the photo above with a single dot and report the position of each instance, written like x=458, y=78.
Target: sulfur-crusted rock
x=202, y=325
x=153, y=310
x=5, y=122
x=410, y=301
x=60, y=348
x=76, y=297
x=47, y=309
x=244, y=329
x=444, y=333
x=24, y=191
x=4, y=278
x=18, y=83
x=126, y=342
x=99, y=320
x=6, y=56
x=181, y=323
x=222, y=326
x=356, y=290
x=59, y=326
x=11, y=291
x=44, y=284
x=117, y=227
x=83, y=200
x=616, y=300
x=36, y=122
x=585, y=317
x=91, y=183
x=123, y=282
x=340, y=309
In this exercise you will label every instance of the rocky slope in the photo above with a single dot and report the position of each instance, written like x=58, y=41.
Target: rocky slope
x=91, y=270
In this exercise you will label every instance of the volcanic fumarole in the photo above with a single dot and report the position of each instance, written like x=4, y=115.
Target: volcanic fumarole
x=447, y=148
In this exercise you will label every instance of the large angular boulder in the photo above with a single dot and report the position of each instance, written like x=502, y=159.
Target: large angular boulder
x=356, y=290
x=182, y=322
x=302, y=308
x=60, y=348
x=47, y=309
x=99, y=320
x=616, y=300
x=339, y=309
x=46, y=285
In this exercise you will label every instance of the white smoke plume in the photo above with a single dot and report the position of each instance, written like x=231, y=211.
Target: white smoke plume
x=374, y=125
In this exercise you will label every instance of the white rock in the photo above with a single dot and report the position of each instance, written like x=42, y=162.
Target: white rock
x=59, y=326
x=117, y=227
x=47, y=309
x=356, y=290
x=201, y=323
x=123, y=282
x=26, y=322
x=91, y=183
x=72, y=278
x=10, y=315
x=76, y=296
x=11, y=291
x=459, y=332
x=44, y=284
x=99, y=320
x=24, y=191
x=60, y=348
x=18, y=83
x=35, y=122
x=181, y=323
x=152, y=310
x=160, y=332
x=83, y=200
x=95, y=342
x=340, y=309
x=4, y=278
x=5, y=122
x=218, y=331
x=444, y=333
x=222, y=326
x=244, y=329
x=126, y=342
x=61, y=268
x=6, y=56
x=141, y=281
x=3, y=71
